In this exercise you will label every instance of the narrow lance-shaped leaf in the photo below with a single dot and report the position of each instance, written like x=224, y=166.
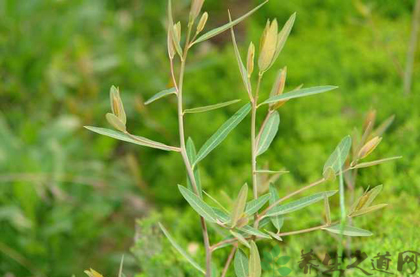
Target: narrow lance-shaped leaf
x=254, y=261
x=198, y=205
x=254, y=205
x=225, y=27
x=277, y=220
x=240, y=238
x=339, y=156
x=191, y=153
x=211, y=107
x=242, y=69
x=254, y=232
x=327, y=209
x=298, y=93
x=268, y=133
x=348, y=231
x=300, y=204
x=372, y=163
x=239, y=205
x=368, y=210
x=160, y=95
x=241, y=264
x=222, y=132
x=131, y=138
x=283, y=35
x=180, y=250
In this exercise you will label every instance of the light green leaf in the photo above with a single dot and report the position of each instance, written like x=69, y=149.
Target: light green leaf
x=180, y=250
x=240, y=238
x=283, y=35
x=368, y=210
x=160, y=94
x=298, y=93
x=254, y=232
x=268, y=133
x=254, y=205
x=300, y=204
x=348, y=231
x=277, y=220
x=242, y=69
x=191, y=154
x=239, y=205
x=241, y=264
x=372, y=163
x=221, y=215
x=327, y=209
x=264, y=171
x=254, y=261
x=131, y=138
x=115, y=122
x=339, y=156
x=211, y=107
x=274, y=235
x=222, y=132
x=225, y=27
x=198, y=205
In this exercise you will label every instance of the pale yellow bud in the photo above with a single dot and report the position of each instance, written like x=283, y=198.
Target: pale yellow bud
x=268, y=46
x=117, y=105
x=202, y=22
x=278, y=88
x=250, y=59
x=196, y=6
x=369, y=147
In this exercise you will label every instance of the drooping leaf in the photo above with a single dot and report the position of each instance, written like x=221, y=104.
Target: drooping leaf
x=277, y=220
x=254, y=205
x=240, y=238
x=348, y=231
x=225, y=27
x=239, y=205
x=298, y=93
x=222, y=132
x=131, y=138
x=180, y=250
x=268, y=133
x=241, y=264
x=372, y=163
x=368, y=210
x=254, y=232
x=300, y=204
x=191, y=154
x=211, y=107
x=274, y=235
x=338, y=157
x=160, y=94
x=198, y=205
x=254, y=261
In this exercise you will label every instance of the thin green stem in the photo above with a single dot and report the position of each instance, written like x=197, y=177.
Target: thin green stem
x=184, y=151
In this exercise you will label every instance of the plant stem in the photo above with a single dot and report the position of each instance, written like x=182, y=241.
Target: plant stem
x=183, y=148
x=229, y=260
x=253, y=139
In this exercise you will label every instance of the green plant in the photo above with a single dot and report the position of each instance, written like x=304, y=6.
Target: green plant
x=243, y=224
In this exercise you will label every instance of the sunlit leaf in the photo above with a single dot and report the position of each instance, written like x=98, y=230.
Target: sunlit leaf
x=222, y=132
x=348, y=231
x=254, y=232
x=211, y=107
x=298, y=93
x=239, y=205
x=254, y=261
x=115, y=122
x=254, y=205
x=198, y=205
x=180, y=250
x=372, y=163
x=131, y=138
x=338, y=157
x=93, y=273
x=274, y=235
x=300, y=204
x=268, y=133
x=161, y=94
x=225, y=27
x=241, y=264
x=222, y=216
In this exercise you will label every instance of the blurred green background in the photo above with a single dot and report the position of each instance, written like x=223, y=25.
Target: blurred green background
x=69, y=199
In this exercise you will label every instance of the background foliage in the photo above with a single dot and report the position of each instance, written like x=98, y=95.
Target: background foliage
x=69, y=198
